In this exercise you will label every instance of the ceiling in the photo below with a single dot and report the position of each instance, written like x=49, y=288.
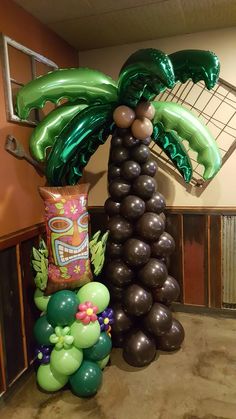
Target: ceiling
x=88, y=24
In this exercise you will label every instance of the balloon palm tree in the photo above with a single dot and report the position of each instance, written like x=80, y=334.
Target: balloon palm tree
x=138, y=249
x=73, y=131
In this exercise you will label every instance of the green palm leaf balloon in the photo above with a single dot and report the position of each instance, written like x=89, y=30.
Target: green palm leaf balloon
x=196, y=65
x=75, y=84
x=175, y=117
x=74, y=131
x=171, y=144
x=144, y=75
x=44, y=135
x=70, y=150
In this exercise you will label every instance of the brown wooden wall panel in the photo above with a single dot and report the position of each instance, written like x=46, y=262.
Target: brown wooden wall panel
x=31, y=313
x=195, y=259
x=215, y=262
x=2, y=369
x=174, y=227
x=11, y=315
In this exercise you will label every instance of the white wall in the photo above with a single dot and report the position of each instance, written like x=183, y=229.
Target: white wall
x=221, y=191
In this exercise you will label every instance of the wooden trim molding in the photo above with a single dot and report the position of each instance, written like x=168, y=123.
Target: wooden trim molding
x=19, y=236
x=202, y=210
x=187, y=210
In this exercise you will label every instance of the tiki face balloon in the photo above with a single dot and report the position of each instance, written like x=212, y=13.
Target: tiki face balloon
x=67, y=236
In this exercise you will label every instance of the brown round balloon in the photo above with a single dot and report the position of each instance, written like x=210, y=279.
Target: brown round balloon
x=130, y=170
x=136, y=252
x=119, y=154
x=136, y=300
x=158, y=321
x=142, y=128
x=122, y=322
x=123, y=116
x=149, y=168
x=116, y=293
x=164, y=246
x=139, y=349
x=116, y=141
x=153, y=274
x=145, y=109
x=112, y=207
x=146, y=141
x=113, y=172
x=144, y=186
x=140, y=153
x=156, y=203
x=173, y=339
x=132, y=207
x=165, y=260
x=168, y=293
x=130, y=141
x=120, y=229
x=118, y=273
x=121, y=132
x=119, y=188
x=118, y=339
x=150, y=226
x=113, y=249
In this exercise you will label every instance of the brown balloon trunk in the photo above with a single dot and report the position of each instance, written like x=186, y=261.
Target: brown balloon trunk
x=137, y=258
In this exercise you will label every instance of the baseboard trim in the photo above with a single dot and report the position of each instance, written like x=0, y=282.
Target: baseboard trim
x=214, y=312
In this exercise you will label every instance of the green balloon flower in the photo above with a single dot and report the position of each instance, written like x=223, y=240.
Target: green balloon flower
x=62, y=337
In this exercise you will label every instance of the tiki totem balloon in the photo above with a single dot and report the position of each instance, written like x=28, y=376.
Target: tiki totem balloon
x=67, y=236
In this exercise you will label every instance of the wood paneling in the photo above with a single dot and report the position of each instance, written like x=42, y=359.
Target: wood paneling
x=11, y=315
x=21, y=235
x=196, y=264
x=30, y=311
x=174, y=227
x=215, y=262
x=194, y=259
x=2, y=369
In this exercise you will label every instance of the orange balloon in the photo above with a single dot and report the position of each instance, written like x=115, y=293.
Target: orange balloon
x=142, y=128
x=123, y=116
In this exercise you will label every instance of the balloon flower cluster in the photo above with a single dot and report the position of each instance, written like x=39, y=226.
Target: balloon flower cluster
x=73, y=334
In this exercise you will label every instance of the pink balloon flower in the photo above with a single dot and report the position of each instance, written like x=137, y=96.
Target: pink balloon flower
x=87, y=312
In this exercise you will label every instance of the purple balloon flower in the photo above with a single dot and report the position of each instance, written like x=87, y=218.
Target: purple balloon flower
x=106, y=318
x=43, y=354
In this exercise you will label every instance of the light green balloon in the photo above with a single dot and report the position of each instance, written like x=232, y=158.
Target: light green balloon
x=103, y=362
x=66, y=361
x=85, y=335
x=46, y=132
x=75, y=84
x=49, y=379
x=41, y=300
x=95, y=292
x=177, y=118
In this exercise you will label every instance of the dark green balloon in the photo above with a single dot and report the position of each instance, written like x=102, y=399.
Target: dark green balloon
x=86, y=381
x=62, y=308
x=196, y=65
x=171, y=143
x=42, y=331
x=77, y=142
x=144, y=75
x=100, y=350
